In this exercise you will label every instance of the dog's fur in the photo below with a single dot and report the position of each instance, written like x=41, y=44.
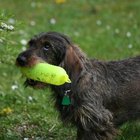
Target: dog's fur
x=103, y=95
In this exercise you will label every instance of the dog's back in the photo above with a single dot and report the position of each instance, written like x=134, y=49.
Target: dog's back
x=122, y=87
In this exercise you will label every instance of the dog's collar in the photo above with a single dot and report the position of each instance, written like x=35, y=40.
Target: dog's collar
x=66, y=98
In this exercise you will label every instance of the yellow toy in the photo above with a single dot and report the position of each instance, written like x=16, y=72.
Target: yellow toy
x=46, y=73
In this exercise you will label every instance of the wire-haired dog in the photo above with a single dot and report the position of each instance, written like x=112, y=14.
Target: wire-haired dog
x=103, y=95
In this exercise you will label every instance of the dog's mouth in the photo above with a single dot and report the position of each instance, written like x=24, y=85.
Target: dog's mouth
x=34, y=84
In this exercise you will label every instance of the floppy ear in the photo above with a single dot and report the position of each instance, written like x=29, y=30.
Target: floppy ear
x=72, y=63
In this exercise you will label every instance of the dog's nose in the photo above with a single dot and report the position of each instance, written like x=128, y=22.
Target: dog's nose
x=21, y=60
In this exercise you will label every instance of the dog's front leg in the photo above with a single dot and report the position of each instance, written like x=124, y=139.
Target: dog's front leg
x=93, y=135
x=95, y=123
x=86, y=135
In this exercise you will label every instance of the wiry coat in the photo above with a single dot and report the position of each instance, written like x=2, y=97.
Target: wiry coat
x=103, y=94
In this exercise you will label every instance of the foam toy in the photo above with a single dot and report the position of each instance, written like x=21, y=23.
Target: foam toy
x=46, y=73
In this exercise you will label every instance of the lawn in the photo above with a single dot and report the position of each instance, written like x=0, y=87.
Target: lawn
x=104, y=29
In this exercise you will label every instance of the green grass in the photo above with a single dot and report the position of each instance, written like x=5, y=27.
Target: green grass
x=104, y=29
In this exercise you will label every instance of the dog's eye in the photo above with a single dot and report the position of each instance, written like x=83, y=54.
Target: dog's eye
x=46, y=47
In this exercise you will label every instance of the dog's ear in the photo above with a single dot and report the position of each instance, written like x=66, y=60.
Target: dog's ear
x=72, y=62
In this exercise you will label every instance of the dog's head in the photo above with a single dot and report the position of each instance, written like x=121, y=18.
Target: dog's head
x=51, y=47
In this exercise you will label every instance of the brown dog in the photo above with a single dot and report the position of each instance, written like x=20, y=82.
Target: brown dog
x=102, y=95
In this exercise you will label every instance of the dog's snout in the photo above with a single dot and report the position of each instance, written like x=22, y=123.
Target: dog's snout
x=21, y=60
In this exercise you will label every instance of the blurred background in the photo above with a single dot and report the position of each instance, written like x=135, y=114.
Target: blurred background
x=104, y=29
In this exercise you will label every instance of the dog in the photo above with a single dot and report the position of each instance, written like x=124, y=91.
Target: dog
x=102, y=95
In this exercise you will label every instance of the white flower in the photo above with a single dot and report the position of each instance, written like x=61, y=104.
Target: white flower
x=130, y=46
x=32, y=23
x=23, y=48
x=117, y=31
x=33, y=4
x=3, y=25
x=4, y=74
x=14, y=87
x=26, y=138
x=10, y=27
x=128, y=34
x=11, y=21
x=76, y=33
x=7, y=27
x=30, y=98
x=108, y=27
x=1, y=41
x=23, y=42
x=21, y=32
x=99, y=22
x=53, y=21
